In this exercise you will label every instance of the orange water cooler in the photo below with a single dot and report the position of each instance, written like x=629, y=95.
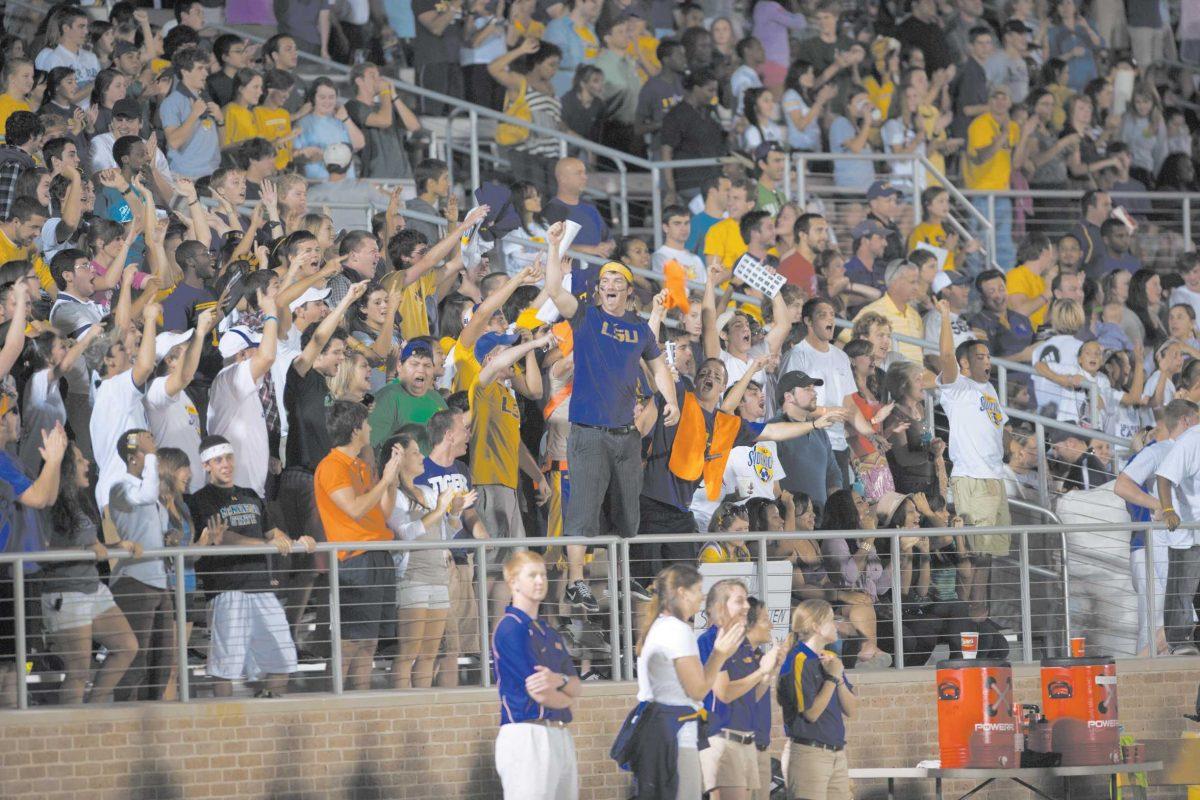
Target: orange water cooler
x=976, y=727
x=1079, y=698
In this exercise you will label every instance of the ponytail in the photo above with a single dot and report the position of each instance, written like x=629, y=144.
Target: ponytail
x=665, y=596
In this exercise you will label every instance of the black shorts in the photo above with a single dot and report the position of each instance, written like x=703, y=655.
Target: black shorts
x=367, y=591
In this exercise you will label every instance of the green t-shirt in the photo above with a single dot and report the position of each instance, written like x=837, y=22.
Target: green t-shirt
x=395, y=408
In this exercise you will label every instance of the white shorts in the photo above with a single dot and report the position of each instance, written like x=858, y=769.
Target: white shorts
x=250, y=636
x=65, y=611
x=422, y=595
x=536, y=762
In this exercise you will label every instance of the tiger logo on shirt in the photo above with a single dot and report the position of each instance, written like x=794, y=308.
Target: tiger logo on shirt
x=990, y=407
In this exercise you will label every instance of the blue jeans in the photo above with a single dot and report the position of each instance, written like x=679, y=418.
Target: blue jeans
x=1006, y=253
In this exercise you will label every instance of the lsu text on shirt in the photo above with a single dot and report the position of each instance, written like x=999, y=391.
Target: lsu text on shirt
x=608, y=350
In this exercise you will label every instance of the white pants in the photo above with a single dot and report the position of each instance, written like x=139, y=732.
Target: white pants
x=536, y=762
x=691, y=779
x=1137, y=562
x=250, y=636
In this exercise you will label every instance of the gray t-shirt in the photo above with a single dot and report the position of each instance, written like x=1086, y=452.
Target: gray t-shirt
x=72, y=317
x=201, y=154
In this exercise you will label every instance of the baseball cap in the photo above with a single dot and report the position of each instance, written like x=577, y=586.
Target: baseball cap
x=311, y=295
x=418, y=347
x=490, y=341
x=868, y=227
x=338, y=154
x=794, y=380
x=167, y=340
x=881, y=189
x=237, y=339
x=127, y=107
x=948, y=278
x=123, y=47
x=764, y=149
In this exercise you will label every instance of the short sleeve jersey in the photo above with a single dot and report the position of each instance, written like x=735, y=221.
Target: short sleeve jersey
x=495, y=434
x=519, y=645
x=338, y=471
x=976, y=428
x=305, y=398
x=608, y=350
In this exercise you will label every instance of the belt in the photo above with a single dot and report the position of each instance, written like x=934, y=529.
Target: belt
x=546, y=723
x=618, y=431
x=734, y=736
x=837, y=748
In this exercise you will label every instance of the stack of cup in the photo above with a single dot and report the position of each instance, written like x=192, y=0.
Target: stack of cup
x=970, y=644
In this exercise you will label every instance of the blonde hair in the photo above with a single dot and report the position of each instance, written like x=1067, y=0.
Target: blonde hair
x=1066, y=316
x=863, y=325
x=517, y=561
x=339, y=384
x=666, y=596
x=807, y=619
x=718, y=596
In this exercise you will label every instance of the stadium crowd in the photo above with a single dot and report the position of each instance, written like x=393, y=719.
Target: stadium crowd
x=201, y=346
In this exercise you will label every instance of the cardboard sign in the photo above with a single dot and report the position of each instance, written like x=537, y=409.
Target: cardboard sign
x=778, y=595
x=757, y=275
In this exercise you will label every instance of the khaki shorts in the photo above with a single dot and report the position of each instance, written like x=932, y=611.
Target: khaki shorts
x=729, y=764
x=985, y=504
x=462, y=623
x=817, y=774
x=763, y=792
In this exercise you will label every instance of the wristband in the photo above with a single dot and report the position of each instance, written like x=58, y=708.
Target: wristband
x=268, y=319
x=1168, y=509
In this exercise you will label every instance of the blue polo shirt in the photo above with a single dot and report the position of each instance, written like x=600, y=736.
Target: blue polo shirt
x=803, y=667
x=13, y=483
x=608, y=354
x=592, y=228
x=739, y=715
x=519, y=644
x=201, y=154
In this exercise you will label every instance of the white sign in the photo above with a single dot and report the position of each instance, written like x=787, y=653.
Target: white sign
x=778, y=596
x=756, y=275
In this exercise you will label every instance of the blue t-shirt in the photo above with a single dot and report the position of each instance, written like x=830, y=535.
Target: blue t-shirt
x=608, y=352
x=803, y=666
x=519, y=644
x=849, y=174
x=319, y=131
x=440, y=479
x=740, y=715
x=200, y=154
x=561, y=33
x=700, y=225
x=592, y=228
x=857, y=272
x=14, y=484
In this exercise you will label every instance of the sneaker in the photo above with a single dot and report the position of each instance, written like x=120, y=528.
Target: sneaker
x=1185, y=650
x=578, y=594
x=637, y=590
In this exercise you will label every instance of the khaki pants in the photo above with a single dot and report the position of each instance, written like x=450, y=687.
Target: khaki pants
x=817, y=774
x=763, y=792
x=984, y=503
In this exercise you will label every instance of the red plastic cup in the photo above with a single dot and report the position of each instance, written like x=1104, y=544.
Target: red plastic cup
x=970, y=643
x=1078, y=646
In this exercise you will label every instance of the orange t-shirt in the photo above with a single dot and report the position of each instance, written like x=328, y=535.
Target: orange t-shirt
x=338, y=470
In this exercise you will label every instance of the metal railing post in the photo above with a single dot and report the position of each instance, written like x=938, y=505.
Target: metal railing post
x=991, y=207
x=1187, y=222
x=787, y=177
x=1151, y=580
x=1002, y=383
x=624, y=194
x=335, y=623
x=1094, y=403
x=1026, y=601
x=19, y=632
x=801, y=181
x=762, y=569
x=614, y=613
x=897, y=604
x=1044, y=463
x=181, y=642
x=1066, y=577
x=916, y=188
x=656, y=209
x=473, y=116
x=627, y=609
x=481, y=590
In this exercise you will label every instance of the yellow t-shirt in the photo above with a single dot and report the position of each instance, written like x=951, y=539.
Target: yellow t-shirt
x=1026, y=282
x=466, y=368
x=724, y=240
x=880, y=94
x=536, y=30
x=495, y=434
x=240, y=125
x=645, y=51
x=414, y=314
x=275, y=125
x=930, y=233
x=723, y=553
x=9, y=104
x=934, y=132
x=993, y=174
x=591, y=45
x=10, y=252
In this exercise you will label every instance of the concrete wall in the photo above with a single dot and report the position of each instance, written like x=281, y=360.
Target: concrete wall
x=438, y=744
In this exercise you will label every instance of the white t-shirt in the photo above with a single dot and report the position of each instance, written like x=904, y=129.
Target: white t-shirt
x=102, y=157
x=1077, y=406
x=175, y=422
x=1151, y=387
x=285, y=353
x=958, y=326
x=743, y=78
x=833, y=367
x=48, y=239
x=1059, y=352
x=757, y=467
x=976, y=428
x=1145, y=466
x=1182, y=467
x=692, y=263
x=119, y=401
x=735, y=368
x=235, y=412
x=42, y=409
x=1182, y=294
x=670, y=638
x=85, y=64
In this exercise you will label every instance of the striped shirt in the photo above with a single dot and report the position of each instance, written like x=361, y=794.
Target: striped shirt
x=546, y=110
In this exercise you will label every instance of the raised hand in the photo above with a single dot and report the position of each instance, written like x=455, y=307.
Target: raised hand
x=729, y=639
x=54, y=444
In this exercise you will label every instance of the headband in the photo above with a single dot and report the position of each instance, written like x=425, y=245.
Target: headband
x=216, y=451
